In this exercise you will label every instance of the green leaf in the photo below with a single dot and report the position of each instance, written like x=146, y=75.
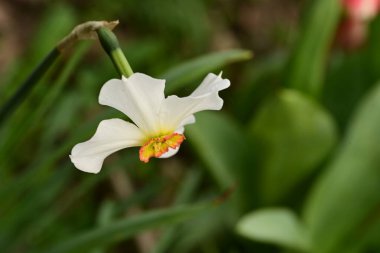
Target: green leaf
x=182, y=74
x=37, y=231
x=364, y=242
x=213, y=144
x=125, y=228
x=105, y=216
x=307, y=66
x=224, y=148
x=277, y=225
x=191, y=183
x=56, y=22
x=32, y=121
x=347, y=194
x=351, y=76
x=35, y=203
x=261, y=79
x=292, y=135
x=212, y=223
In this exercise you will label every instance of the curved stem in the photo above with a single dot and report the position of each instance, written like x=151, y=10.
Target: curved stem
x=110, y=44
x=83, y=31
x=28, y=84
x=121, y=63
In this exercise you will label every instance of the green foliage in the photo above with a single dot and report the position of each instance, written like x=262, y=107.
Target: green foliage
x=229, y=169
x=279, y=226
x=306, y=71
x=288, y=117
x=182, y=74
x=299, y=129
x=351, y=178
x=118, y=230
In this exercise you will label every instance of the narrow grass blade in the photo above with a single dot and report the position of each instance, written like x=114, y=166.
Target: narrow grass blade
x=347, y=195
x=125, y=228
x=182, y=74
x=307, y=66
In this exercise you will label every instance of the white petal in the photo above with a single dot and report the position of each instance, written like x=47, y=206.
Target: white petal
x=139, y=97
x=187, y=121
x=175, y=110
x=111, y=136
x=211, y=83
x=171, y=152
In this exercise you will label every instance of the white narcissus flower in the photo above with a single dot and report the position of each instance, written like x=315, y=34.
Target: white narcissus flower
x=158, y=121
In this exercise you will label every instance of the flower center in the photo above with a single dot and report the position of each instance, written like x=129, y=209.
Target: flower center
x=157, y=146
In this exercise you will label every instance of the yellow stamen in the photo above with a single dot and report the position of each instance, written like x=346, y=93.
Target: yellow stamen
x=158, y=146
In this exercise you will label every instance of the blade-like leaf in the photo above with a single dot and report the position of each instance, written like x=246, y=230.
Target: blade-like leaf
x=29, y=123
x=279, y=226
x=293, y=135
x=180, y=75
x=347, y=194
x=126, y=228
x=57, y=20
x=223, y=146
x=351, y=76
x=307, y=65
x=185, y=193
x=261, y=79
x=363, y=242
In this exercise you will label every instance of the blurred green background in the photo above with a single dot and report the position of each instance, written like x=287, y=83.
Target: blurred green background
x=290, y=164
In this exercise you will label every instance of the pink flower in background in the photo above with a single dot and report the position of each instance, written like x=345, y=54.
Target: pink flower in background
x=362, y=10
x=351, y=34
x=353, y=29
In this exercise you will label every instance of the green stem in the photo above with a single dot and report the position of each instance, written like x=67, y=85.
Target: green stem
x=121, y=63
x=28, y=84
x=80, y=32
x=110, y=44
